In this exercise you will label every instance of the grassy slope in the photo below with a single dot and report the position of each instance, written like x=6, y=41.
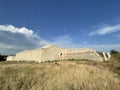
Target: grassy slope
x=66, y=75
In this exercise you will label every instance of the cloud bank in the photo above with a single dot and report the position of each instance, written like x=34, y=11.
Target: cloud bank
x=105, y=30
x=13, y=40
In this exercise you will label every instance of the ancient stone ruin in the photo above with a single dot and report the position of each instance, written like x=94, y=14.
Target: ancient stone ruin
x=52, y=53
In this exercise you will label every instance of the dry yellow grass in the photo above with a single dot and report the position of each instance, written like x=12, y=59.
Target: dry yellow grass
x=66, y=75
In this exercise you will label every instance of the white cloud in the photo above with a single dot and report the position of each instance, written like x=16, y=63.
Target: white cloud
x=13, y=29
x=13, y=39
x=106, y=30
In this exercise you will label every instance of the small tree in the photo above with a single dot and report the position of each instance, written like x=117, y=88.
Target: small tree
x=114, y=52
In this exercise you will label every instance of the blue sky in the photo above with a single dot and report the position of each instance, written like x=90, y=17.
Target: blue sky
x=28, y=24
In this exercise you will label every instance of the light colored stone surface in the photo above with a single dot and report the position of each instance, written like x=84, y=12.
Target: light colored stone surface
x=11, y=58
x=88, y=54
x=51, y=53
x=106, y=56
x=109, y=55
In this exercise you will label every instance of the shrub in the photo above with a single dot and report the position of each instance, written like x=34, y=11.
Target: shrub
x=114, y=52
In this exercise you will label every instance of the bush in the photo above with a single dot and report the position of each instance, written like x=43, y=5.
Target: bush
x=115, y=55
x=114, y=52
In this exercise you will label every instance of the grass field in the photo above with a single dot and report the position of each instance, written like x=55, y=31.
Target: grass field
x=64, y=75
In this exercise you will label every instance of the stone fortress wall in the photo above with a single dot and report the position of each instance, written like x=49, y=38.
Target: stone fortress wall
x=88, y=54
x=51, y=53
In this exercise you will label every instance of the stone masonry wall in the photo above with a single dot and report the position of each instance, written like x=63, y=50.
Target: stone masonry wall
x=51, y=53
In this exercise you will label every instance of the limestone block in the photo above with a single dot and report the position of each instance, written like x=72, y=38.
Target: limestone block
x=11, y=58
x=106, y=56
x=109, y=55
